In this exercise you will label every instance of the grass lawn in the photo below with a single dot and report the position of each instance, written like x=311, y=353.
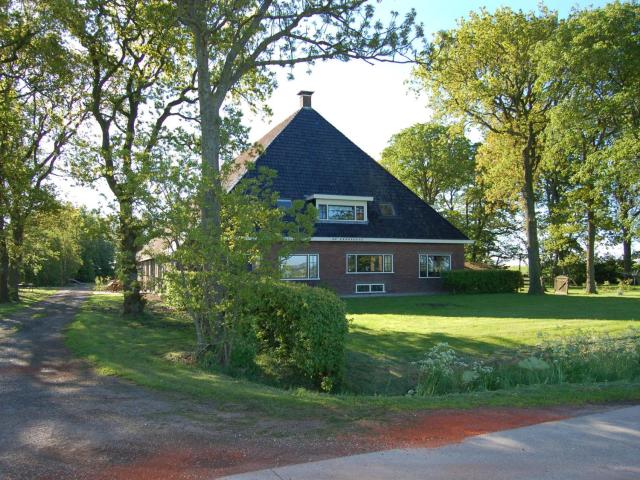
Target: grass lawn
x=387, y=333
x=27, y=297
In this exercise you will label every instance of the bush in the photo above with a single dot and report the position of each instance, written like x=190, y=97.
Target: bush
x=482, y=281
x=304, y=328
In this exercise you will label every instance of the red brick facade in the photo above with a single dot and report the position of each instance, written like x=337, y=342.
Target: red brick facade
x=405, y=276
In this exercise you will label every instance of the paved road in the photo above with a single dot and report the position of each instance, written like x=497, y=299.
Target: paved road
x=600, y=446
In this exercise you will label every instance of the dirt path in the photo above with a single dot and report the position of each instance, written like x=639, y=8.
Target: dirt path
x=59, y=420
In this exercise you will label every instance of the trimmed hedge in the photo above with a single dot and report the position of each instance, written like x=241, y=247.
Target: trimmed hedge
x=305, y=328
x=482, y=281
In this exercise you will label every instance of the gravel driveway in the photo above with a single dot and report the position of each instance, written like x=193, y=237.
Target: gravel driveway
x=59, y=420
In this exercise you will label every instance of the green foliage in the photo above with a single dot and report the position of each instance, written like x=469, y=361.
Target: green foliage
x=482, y=281
x=218, y=268
x=580, y=358
x=66, y=243
x=304, y=328
x=432, y=160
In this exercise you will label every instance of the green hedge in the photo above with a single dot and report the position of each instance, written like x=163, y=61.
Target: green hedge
x=303, y=327
x=482, y=281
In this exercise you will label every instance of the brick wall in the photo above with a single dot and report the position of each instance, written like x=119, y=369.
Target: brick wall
x=404, y=279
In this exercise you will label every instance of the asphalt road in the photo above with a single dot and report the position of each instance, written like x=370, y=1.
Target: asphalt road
x=600, y=446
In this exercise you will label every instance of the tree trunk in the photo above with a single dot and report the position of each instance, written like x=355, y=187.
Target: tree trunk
x=591, y=253
x=627, y=264
x=15, y=263
x=129, y=247
x=210, y=124
x=4, y=264
x=531, y=224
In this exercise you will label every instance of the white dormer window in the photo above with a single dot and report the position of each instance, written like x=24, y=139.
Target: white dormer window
x=341, y=208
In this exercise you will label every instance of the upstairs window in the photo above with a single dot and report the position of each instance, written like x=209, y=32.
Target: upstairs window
x=341, y=208
x=300, y=267
x=432, y=266
x=353, y=213
x=357, y=263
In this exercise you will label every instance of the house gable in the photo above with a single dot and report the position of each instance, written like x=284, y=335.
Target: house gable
x=312, y=157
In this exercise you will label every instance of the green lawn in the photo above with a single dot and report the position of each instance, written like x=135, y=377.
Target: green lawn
x=387, y=334
x=27, y=297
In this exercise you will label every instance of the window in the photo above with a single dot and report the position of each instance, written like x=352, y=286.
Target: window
x=369, y=263
x=387, y=210
x=283, y=203
x=300, y=267
x=432, y=266
x=341, y=212
x=334, y=212
x=370, y=288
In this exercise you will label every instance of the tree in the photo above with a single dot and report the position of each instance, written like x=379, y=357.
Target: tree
x=233, y=50
x=139, y=79
x=433, y=161
x=595, y=52
x=439, y=165
x=485, y=72
x=39, y=89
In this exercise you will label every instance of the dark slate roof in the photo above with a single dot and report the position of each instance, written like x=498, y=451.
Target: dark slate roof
x=311, y=156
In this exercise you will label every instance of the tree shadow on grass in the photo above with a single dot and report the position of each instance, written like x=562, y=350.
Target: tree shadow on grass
x=380, y=362
x=501, y=306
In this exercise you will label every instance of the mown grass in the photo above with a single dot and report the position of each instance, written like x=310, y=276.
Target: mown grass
x=388, y=333
x=27, y=297
x=137, y=349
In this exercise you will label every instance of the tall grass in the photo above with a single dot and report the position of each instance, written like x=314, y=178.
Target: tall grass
x=584, y=357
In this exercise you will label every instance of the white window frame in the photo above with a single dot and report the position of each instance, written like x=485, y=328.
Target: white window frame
x=317, y=255
x=432, y=255
x=393, y=263
x=384, y=288
x=341, y=201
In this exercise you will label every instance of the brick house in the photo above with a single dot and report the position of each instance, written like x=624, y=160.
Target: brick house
x=373, y=234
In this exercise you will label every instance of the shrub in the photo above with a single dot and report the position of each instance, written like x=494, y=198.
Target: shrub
x=304, y=328
x=482, y=281
x=443, y=371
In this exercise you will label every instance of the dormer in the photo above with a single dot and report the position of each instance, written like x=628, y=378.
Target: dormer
x=341, y=208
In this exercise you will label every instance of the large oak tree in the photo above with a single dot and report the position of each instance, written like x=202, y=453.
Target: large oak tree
x=485, y=72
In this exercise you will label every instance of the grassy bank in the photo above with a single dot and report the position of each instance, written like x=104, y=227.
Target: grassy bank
x=139, y=350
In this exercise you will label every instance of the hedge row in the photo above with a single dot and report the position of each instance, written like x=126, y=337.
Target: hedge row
x=304, y=327
x=482, y=281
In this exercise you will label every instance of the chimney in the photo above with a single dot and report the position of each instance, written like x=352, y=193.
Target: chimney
x=305, y=98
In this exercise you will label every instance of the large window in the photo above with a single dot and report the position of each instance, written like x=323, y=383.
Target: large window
x=341, y=213
x=432, y=266
x=369, y=263
x=300, y=267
